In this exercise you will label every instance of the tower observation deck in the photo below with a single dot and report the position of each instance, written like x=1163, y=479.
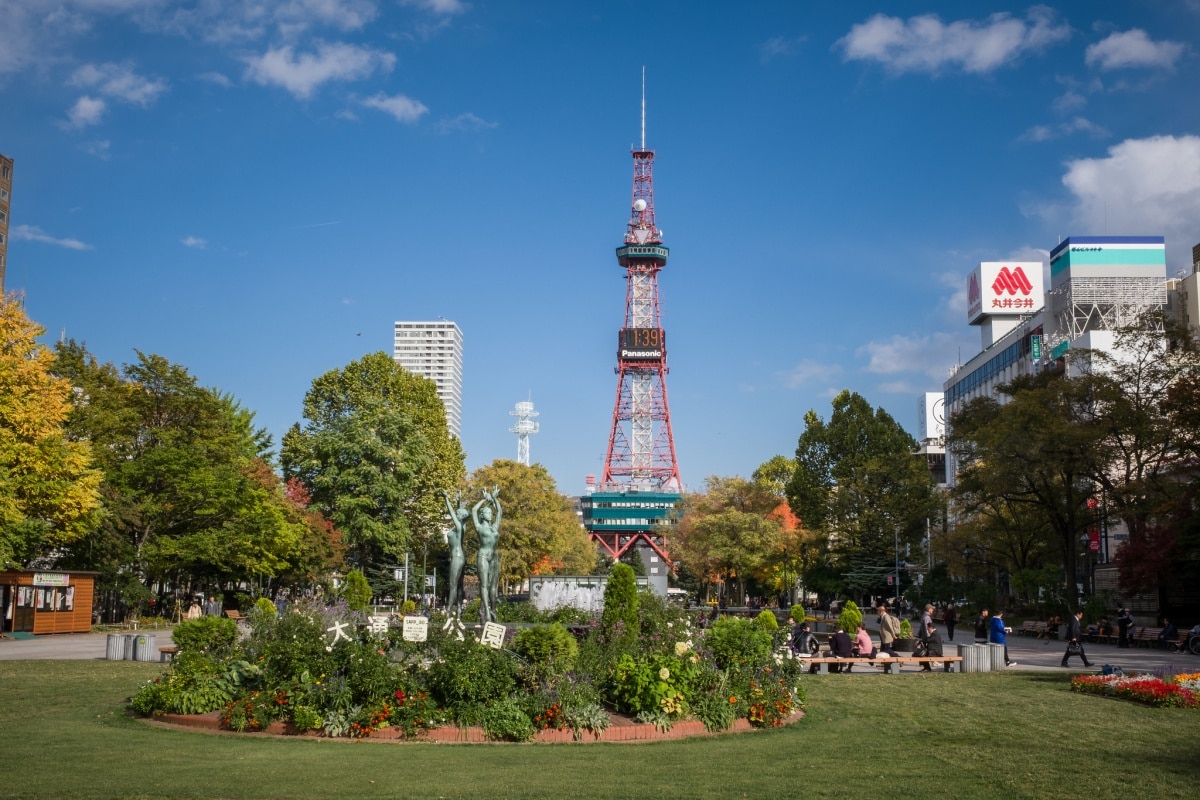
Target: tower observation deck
x=640, y=485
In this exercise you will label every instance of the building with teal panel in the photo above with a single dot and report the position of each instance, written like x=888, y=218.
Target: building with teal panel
x=1099, y=283
x=624, y=520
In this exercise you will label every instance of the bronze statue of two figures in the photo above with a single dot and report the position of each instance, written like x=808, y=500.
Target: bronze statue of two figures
x=485, y=515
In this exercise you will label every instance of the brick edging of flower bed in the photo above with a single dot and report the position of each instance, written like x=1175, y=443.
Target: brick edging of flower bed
x=622, y=730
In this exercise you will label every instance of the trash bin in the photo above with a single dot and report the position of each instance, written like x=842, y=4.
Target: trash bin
x=969, y=654
x=143, y=647
x=997, y=659
x=115, y=647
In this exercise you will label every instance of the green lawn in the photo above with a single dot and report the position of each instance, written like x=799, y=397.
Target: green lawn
x=1004, y=735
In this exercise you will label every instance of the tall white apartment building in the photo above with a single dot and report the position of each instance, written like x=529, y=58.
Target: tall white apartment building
x=434, y=350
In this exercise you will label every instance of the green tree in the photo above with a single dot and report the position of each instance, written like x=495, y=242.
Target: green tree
x=48, y=488
x=540, y=533
x=375, y=453
x=187, y=495
x=858, y=483
x=1040, y=480
x=729, y=532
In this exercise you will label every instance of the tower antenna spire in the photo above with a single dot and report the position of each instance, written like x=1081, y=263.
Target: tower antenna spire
x=643, y=107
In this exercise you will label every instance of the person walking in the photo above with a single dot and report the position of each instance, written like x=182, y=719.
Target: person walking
x=1075, y=639
x=998, y=634
x=889, y=629
x=1124, y=626
x=981, y=627
x=951, y=619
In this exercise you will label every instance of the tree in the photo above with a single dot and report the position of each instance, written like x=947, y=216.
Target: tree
x=188, y=498
x=1144, y=392
x=375, y=453
x=49, y=491
x=541, y=533
x=1039, y=480
x=728, y=532
x=858, y=484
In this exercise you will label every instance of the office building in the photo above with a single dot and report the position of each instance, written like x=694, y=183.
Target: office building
x=434, y=350
x=6, y=176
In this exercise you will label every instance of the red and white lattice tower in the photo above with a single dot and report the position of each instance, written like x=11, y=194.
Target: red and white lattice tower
x=641, y=447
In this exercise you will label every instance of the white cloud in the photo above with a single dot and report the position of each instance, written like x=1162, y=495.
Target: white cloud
x=465, y=122
x=118, y=81
x=1044, y=133
x=440, y=7
x=194, y=242
x=99, y=148
x=930, y=355
x=926, y=44
x=1133, y=48
x=303, y=73
x=31, y=233
x=86, y=111
x=404, y=109
x=1142, y=187
x=809, y=371
x=216, y=78
x=1069, y=101
x=779, y=46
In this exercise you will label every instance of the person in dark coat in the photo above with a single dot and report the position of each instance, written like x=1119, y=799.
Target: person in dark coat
x=840, y=646
x=1124, y=627
x=932, y=641
x=951, y=619
x=1075, y=639
x=982, y=625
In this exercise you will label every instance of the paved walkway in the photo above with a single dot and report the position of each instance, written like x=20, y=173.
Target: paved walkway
x=1029, y=653
x=71, y=646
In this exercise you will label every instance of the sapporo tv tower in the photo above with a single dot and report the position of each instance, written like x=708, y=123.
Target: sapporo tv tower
x=640, y=485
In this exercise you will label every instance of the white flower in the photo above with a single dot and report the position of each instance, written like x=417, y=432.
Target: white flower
x=681, y=648
x=328, y=648
x=664, y=673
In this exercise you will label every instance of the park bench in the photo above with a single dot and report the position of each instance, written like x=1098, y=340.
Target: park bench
x=886, y=662
x=1180, y=641
x=234, y=614
x=167, y=652
x=1145, y=637
x=1029, y=628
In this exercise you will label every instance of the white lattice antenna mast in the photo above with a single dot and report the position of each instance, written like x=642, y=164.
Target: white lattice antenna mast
x=525, y=427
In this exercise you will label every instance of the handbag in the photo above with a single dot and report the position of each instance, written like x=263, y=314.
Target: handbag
x=1074, y=649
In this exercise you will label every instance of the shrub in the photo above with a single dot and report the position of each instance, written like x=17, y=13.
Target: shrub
x=905, y=629
x=504, y=720
x=550, y=649
x=797, y=614
x=767, y=621
x=213, y=636
x=357, y=591
x=738, y=643
x=468, y=672
x=850, y=617
x=620, y=599
x=264, y=606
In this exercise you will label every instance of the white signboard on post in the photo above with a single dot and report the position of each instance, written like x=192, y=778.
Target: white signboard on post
x=416, y=629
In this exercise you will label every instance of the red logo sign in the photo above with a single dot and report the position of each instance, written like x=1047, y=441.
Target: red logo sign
x=1012, y=281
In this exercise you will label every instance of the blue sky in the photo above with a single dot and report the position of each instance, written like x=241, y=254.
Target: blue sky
x=258, y=190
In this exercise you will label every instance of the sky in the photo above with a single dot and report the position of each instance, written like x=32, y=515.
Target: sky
x=258, y=190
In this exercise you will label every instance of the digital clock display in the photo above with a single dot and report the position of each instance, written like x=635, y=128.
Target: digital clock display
x=647, y=344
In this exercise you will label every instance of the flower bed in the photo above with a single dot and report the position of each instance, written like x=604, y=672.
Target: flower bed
x=1183, y=691
x=338, y=673
x=622, y=729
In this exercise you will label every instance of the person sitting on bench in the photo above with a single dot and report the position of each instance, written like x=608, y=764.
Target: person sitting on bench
x=932, y=641
x=840, y=646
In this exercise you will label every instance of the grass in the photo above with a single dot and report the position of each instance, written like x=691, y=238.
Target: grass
x=992, y=735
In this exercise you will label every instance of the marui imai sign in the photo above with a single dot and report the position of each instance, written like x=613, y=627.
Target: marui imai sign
x=1004, y=288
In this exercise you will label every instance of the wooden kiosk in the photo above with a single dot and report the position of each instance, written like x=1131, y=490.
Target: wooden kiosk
x=47, y=601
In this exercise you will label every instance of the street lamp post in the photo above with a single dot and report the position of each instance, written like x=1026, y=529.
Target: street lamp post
x=896, y=538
